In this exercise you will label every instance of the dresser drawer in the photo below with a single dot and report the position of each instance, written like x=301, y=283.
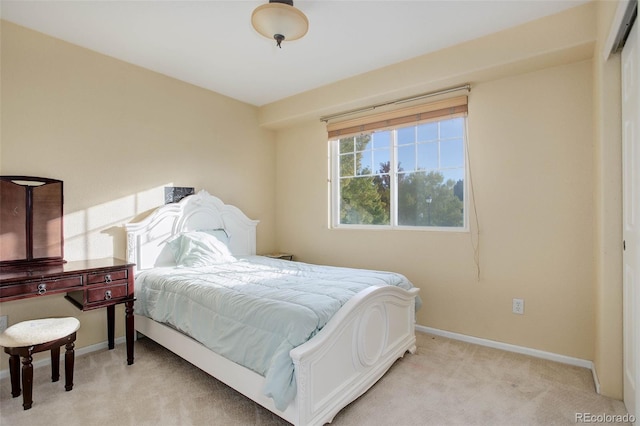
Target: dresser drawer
x=106, y=277
x=106, y=293
x=41, y=286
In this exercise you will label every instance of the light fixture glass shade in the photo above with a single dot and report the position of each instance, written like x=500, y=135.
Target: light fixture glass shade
x=273, y=19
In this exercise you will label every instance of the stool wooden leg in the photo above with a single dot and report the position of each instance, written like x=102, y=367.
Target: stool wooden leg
x=69, y=360
x=27, y=381
x=14, y=372
x=55, y=364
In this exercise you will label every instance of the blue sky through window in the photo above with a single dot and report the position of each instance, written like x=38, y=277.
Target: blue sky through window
x=435, y=146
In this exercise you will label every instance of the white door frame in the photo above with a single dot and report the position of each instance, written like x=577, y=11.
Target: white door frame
x=630, y=96
x=622, y=19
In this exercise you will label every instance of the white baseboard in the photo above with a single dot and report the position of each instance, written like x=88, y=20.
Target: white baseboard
x=85, y=350
x=517, y=349
x=429, y=330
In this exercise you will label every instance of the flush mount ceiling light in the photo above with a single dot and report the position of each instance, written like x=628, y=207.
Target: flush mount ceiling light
x=280, y=20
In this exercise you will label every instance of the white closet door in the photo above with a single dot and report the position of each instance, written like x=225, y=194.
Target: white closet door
x=631, y=212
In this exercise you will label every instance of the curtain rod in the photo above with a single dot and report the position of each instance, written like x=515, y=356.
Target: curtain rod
x=466, y=87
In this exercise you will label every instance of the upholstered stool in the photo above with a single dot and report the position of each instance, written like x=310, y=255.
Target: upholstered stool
x=29, y=337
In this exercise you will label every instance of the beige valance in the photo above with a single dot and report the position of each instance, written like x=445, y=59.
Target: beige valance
x=446, y=108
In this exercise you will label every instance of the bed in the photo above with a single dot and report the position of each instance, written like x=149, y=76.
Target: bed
x=358, y=322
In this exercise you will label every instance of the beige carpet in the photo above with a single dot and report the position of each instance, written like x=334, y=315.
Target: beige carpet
x=446, y=382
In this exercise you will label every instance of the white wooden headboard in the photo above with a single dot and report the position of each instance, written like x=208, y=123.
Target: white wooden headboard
x=147, y=240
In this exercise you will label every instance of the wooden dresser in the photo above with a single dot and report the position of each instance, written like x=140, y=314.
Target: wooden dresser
x=88, y=284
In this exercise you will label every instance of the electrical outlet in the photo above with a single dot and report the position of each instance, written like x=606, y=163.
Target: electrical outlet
x=4, y=323
x=518, y=306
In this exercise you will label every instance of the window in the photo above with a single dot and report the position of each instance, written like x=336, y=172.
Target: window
x=406, y=176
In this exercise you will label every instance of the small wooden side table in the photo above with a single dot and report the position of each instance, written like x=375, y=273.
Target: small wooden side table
x=283, y=256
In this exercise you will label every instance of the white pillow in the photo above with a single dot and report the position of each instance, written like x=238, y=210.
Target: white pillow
x=197, y=248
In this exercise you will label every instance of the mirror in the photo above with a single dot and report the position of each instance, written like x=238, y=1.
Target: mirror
x=31, y=221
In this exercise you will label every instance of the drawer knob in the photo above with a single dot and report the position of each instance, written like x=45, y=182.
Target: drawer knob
x=107, y=295
x=107, y=278
x=42, y=288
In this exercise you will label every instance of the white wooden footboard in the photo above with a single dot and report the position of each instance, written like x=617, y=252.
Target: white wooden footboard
x=354, y=349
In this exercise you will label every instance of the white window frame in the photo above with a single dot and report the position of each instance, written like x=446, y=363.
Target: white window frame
x=334, y=189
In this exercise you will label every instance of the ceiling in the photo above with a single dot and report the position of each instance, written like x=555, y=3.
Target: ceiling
x=211, y=44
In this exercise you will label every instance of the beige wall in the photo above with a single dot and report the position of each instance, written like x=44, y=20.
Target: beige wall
x=116, y=135
x=531, y=159
x=546, y=190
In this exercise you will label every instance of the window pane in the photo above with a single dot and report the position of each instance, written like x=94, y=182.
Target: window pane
x=346, y=145
x=428, y=156
x=381, y=160
x=407, y=157
x=382, y=139
x=347, y=165
x=427, y=132
x=363, y=162
x=425, y=199
x=451, y=153
x=453, y=128
x=365, y=200
x=362, y=142
x=406, y=135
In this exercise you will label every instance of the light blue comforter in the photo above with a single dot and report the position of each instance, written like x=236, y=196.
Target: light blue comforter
x=253, y=311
